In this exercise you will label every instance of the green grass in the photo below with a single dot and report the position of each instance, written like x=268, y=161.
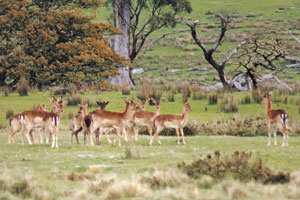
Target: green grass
x=50, y=168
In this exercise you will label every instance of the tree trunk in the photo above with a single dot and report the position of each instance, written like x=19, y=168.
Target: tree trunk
x=121, y=42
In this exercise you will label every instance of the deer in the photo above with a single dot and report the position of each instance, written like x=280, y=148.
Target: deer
x=32, y=118
x=77, y=122
x=39, y=132
x=146, y=118
x=277, y=119
x=171, y=121
x=118, y=120
x=16, y=125
x=143, y=103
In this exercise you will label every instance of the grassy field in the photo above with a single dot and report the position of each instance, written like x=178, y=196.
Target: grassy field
x=78, y=171
x=112, y=172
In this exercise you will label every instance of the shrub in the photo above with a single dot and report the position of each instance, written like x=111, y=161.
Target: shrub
x=229, y=105
x=126, y=88
x=9, y=113
x=144, y=91
x=213, y=99
x=74, y=99
x=23, y=87
x=21, y=188
x=90, y=103
x=236, y=165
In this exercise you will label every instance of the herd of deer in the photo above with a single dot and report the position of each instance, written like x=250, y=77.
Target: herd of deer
x=42, y=121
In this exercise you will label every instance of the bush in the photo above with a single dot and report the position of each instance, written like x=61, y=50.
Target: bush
x=236, y=165
x=229, y=105
x=74, y=99
x=23, y=87
x=213, y=99
x=9, y=113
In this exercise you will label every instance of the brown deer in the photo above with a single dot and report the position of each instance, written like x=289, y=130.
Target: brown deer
x=16, y=124
x=146, y=118
x=143, y=103
x=77, y=122
x=118, y=120
x=32, y=118
x=277, y=119
x=172, y=121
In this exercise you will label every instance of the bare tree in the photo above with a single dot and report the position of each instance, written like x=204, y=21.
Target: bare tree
x=225, y=20
x=263, y=55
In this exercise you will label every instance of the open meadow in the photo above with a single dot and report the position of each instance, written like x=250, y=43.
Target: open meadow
x=136, y=170
x=226, y=155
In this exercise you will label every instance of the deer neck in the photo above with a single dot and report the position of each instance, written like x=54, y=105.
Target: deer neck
x=184, y=115
x=269, y=105
x=84, y=112
x=156, y=112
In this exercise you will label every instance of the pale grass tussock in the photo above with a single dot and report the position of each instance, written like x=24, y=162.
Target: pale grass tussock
x=125, y=189
x=162, y=179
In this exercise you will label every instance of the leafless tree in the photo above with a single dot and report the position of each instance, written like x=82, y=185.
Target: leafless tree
x=219, y=66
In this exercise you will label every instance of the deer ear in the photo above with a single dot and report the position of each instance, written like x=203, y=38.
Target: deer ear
x=98, y=103
x=65, y=103
x=106, y=102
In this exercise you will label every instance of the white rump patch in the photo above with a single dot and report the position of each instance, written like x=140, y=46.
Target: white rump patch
x=53, y=121
x=21, y=118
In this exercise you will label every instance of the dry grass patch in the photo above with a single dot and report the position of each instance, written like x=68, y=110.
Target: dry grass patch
x=125, y=189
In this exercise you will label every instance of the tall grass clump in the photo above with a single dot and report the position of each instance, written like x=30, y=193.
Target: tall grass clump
x=74, y=99
x=126, y=89
x=229, y=105
x=23, y=87
x=237, y=165
x=186, y=91
x=198, y=93
x=9, y=113
x=143, y=92
x=246, y=99
x=171, y=94
x=213, y=99
x=6, y=90
x=257, y=96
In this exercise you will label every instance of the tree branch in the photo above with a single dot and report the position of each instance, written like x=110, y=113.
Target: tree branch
x=297, y=40
x=232, y=53
x=171, y=33
x=195, y=37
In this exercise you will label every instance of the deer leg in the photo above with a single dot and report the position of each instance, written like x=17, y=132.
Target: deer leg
x=56, y=138
x=269, y=134
x=182, y=134
x=97, y=136
x=275, y=140
x=158, y=130
x=118, y=135
x=177, y=133
x=136, y=132
x=42, y=136
x=125, y=134
x=150, y=130
x=107, y=137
